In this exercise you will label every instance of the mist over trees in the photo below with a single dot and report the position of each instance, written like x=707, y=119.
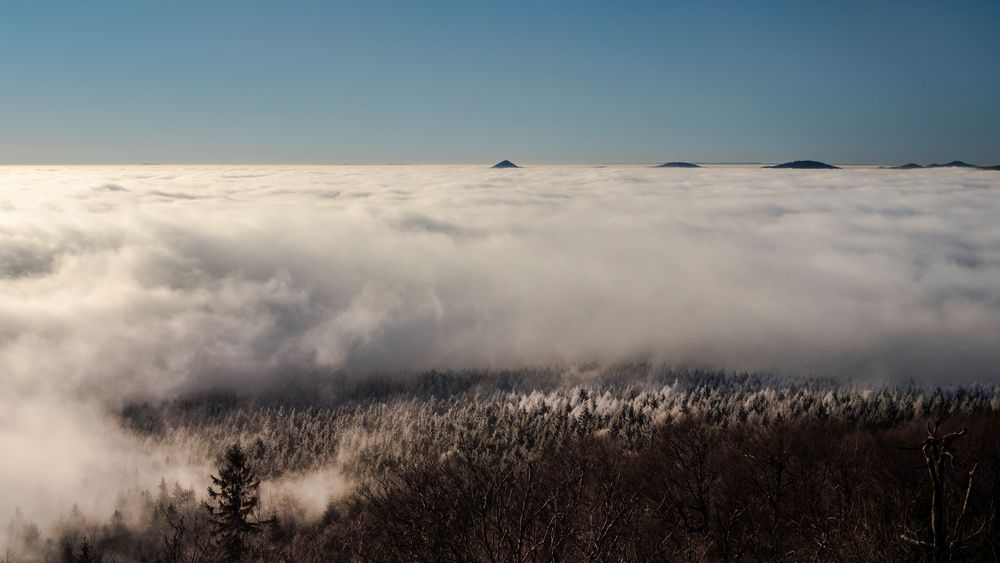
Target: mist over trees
x=154, y=316
x=629, y=463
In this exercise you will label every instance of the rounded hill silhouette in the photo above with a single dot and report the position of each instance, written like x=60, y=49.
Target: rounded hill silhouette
x=678, y=165
x=805, y=165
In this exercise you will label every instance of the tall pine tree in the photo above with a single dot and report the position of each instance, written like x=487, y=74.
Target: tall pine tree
x=233, y=499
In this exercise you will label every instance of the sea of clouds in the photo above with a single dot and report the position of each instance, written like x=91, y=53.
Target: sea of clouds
x=151, y=281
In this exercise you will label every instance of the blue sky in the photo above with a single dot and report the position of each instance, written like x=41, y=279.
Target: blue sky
x=542, y=81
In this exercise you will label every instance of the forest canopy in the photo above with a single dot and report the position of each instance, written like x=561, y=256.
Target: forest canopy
x=635, y=462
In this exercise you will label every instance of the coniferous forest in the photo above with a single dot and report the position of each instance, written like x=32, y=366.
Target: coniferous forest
x=623, y=463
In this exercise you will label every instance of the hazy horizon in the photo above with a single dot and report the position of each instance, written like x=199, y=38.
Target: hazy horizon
x=487, y=165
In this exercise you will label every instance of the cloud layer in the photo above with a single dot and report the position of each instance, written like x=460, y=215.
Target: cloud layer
x=151, y=280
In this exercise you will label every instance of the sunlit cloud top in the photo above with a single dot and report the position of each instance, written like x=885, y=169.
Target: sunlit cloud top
x=121, y=281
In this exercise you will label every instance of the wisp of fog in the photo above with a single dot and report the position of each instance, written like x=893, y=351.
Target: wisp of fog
x=152, y=281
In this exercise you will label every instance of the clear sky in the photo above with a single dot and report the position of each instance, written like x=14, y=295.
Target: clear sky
x=474, y=81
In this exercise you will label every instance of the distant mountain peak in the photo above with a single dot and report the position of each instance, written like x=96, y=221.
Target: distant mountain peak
x=806, y=165
x=908, y=166
x=678, y=165
x=505, y=164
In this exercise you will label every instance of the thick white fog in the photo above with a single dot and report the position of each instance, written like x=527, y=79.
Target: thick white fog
x=149, y=281
x=153, y=279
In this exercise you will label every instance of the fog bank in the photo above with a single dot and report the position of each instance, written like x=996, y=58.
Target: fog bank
x=157, y=279
x=150, y=281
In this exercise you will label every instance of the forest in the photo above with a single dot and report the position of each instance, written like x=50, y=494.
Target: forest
x=621, y=463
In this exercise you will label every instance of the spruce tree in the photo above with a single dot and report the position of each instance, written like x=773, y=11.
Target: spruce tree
x=233, y=499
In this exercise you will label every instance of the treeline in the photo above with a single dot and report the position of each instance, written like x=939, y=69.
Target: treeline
x=364, y=424
x=789, y=490
x=701, y=467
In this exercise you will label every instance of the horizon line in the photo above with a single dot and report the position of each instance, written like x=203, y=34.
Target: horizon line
x=464, y=163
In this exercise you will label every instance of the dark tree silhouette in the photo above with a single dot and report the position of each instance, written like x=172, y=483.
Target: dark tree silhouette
x=232, y=501
x=947, y=537
x=87, y=554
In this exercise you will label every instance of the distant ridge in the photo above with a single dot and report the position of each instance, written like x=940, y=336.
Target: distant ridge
x=678, y=165
x=953, y=164
x=505, y=164
x=805, y=165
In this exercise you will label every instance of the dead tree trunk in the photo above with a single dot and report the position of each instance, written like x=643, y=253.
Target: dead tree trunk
x=937, y=454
